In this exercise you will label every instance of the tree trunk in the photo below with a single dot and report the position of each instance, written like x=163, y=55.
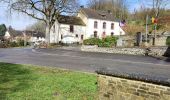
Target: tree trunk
x=47, y=33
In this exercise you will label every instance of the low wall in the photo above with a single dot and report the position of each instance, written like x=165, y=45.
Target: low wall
x=157, y=51
x=130, y=51
x=153, y=51
x=114, y=88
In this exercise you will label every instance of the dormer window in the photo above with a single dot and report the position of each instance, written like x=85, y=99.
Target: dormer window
x=104, y=25
x=103, y=16
x=95, y=24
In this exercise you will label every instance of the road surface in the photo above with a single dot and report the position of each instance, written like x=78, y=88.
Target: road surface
x=86, y=61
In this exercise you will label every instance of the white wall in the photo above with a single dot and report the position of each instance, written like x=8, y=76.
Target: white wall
x=87, y=31
x=64, y=29
x=90, y=28
x=7, y=35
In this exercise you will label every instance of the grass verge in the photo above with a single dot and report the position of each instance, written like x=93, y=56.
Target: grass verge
x=27, y=82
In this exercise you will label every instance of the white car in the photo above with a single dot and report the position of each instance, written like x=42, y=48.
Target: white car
x=67, y=39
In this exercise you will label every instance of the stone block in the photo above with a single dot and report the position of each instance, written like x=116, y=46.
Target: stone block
x=153, y=94
x=141, y=91
x=166, y=92
x=144, y=88
x=131, y=90
x=161, y=87
x=135, y=86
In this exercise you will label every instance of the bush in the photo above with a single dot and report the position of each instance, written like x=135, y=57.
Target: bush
x=106, y=42
x=3, y=45
x=168, y=41
x=13, y=44
x=109, y=41
x=92, y=41
x=20, y=42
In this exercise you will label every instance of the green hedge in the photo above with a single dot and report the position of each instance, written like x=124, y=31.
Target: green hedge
x=105, y=42
x=92, y=41
x=168, y=41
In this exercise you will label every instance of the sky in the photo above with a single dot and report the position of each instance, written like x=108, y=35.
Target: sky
x=21, y=21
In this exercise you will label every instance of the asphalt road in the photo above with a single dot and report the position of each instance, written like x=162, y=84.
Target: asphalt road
x=86, y=61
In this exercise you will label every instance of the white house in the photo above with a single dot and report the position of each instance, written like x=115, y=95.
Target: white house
x=35, y=36
x=87, y=24
x=67, y=29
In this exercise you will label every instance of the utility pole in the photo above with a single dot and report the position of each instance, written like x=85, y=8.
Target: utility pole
x=154, y=35
x=25, y=39
x=146, y=34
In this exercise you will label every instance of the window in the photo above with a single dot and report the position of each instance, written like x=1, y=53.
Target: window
x=61, y=36
x=112, y=26
x=95, y=24
x=95, y=34
x=71, y=28
x=104, y=25
x=77, y=35
x=82, y=37
x=54, y=28
x=112, y=34
x=120, y=33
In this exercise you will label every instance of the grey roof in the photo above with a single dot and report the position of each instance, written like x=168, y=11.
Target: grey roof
x=15, y=33
x=34, y=33
x=103, y=15
x=72, y=20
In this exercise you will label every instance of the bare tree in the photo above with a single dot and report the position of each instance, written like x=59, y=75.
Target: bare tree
x=117, y=7
x=38, y=26
x=157, y=6
x=44, y=10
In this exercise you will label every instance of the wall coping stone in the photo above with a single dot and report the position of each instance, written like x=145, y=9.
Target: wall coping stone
x=164, y=81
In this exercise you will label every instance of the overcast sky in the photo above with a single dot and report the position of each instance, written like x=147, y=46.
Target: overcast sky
x=20, y=21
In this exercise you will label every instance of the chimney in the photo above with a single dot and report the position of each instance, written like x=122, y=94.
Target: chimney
x=109, y=11
x=82, y=6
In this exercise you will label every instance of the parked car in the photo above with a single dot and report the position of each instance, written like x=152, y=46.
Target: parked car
x=68, y=39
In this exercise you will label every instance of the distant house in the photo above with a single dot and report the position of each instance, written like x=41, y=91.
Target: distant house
x=87, y=24
x=33, y=36
x=13, y=35
x=30, y=36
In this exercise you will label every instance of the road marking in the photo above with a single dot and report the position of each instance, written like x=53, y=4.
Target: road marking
x=118, y=60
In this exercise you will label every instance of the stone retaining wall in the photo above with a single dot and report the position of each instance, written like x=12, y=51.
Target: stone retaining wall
x=153, y=51
x=130, y=51
x=157, y=51
x=114, y=88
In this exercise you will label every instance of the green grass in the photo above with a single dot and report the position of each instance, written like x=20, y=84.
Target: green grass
x=27, y=82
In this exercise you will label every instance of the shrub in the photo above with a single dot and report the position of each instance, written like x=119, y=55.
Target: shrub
x=3, y=45
x=168, y=41
x=109, y=41
x=105, y=42
x=92, y=41
x=53, y=44
x=13, y=44
x=21, y=42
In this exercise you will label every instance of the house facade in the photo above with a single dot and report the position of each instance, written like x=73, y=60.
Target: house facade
x=87, y=24
x=67, y=29
x=30, y=36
